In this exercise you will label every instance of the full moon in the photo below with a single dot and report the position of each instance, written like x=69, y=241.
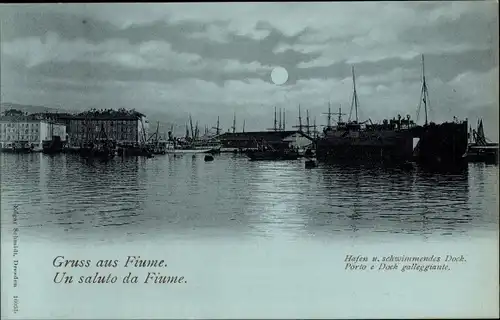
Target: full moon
x=279, y=75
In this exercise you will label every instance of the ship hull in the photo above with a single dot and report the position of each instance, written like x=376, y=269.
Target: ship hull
x=485, y=154
x=53, y=146
x=375, y=146
x=443, y=145
x=188, y=151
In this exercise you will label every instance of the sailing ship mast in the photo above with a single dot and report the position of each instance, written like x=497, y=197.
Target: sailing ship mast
x=191, y=125
x=275, y=121
x=218, y=127
x=196, y=131
x=284, y=122
x=234, y=123
x=424, y=95
x=307, y=121
x=275, y=125
x=280, y=124
x=355, y=101
x=243, y=125
x=329, y=124
x=480, y=138
x=156, y=134
x=424, y=89
x=340, y=114
x=314, y=128
x=300, y=121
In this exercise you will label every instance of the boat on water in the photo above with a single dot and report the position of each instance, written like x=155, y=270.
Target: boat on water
x=99, y=147
x=53, y=146
x=392, y=140
x=154, y=144
x=439, y=145
x=265, y=151
x=442, y=145
x=192, y=143
x=485, y=154
x=18, y=147
x=196, y=147
x=352, y=140
x=480, y=149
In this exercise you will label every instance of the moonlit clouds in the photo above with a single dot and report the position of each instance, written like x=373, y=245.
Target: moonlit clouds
x=217, y=58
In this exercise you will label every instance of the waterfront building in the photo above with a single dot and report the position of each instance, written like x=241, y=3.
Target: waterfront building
x=29, y=130
x=127, y=127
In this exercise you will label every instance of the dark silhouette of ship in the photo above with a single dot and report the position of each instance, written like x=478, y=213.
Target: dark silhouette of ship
x=480, y=149
x=352, y=141
x=266, y=151
x=98, y=146
x=55, y=144
x=393, y=139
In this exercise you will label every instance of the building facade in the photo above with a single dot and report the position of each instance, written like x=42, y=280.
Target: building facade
x=29, y=130
x=120, y=127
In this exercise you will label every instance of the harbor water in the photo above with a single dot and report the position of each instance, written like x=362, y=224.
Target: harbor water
x=255, y=239
x=66, y=197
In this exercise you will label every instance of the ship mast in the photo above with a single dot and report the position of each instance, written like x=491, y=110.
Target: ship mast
x=284, y=122
x=307, y=121
x=234, y=123
x=275, y=121
x=355, y=102
x=196, y=131
x=340, y=114
x=217, y=128
x=425, y=93
x=280, y=124
x=329, y=124
x=243, y=125
x=314, y=127
x=300, y=120
x=191, y=125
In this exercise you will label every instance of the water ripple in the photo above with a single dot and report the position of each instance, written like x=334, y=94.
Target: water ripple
x=65, y=194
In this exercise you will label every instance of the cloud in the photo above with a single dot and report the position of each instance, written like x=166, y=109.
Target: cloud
x=386, y=34
x=216, y=58
x=476, y=89
x=146, y=55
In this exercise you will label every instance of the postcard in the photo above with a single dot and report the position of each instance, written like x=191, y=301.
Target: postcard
x=249, y=160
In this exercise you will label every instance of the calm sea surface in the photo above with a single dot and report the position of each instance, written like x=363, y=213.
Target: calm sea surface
x=253, y=239
x=67, y=197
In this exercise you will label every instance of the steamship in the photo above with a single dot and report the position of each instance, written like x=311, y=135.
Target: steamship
x=393, y=139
